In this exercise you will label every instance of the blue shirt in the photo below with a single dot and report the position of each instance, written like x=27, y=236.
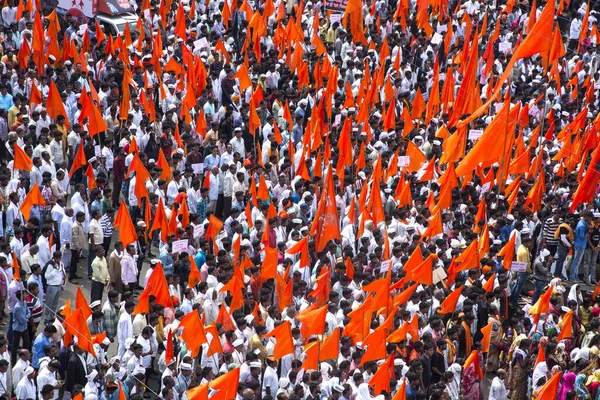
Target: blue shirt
x=200, y=259
x=580, y=234
x=20, y=317
x=6, y=101
x=505, y=233
x=40, y=342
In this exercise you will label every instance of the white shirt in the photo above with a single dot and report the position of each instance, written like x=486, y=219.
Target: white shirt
x=46, y=377
x=497, y=390
x=270, y=380
x=25, y=389
x=18, y=369
x=128, y=269
x=124, y=330
x=146, y=348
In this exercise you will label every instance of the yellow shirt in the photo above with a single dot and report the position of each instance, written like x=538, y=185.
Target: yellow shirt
x=523, y=256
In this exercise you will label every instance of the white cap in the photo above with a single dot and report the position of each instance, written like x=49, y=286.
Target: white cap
x=185, y=366
x=255, y=364
x=95, y=303
x=238, y=342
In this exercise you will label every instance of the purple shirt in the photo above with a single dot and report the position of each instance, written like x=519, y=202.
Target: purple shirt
x=13, y=288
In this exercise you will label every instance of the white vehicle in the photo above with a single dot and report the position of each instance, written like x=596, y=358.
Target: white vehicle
x=112, y=15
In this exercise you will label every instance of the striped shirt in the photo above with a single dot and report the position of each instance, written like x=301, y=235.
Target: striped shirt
x=35, y=307
x=107, y=225
x=550, y=227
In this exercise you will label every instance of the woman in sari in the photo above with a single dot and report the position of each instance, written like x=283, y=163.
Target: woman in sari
x=567, y=384
x=493, y=362
x=520, y=363
x=470, y=383
x=580, y=389
x=593, y=383
x=540, y=376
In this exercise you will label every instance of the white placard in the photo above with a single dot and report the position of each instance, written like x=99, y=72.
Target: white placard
x=403, y=161
x=504, y=47
x=486, y=187
x=201, y=43
x=198, y=231
x=337, y=120
x=518, y=266
x=475, y=134
x=97, y=151
x=24, y=249
x=198, y=168
x=385, y=266
x=438, y=275
x=179, y=246
x=83, y=28
x=335, y=18
x=497, y=107
x=437, y=38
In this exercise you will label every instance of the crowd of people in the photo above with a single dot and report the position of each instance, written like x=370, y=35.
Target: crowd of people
x=301, y=200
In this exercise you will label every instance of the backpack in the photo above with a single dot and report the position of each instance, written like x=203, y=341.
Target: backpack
x=44, y=283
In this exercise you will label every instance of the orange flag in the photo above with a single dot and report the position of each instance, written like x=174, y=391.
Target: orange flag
x=375, y=344
x=313, y=321
x=543, y=304
x=81, y=303
x=489, y=284
x=244, y=78
x=193, y=332
x=127, y=232
x=474, y=359
x=21, y=159
x=285, y=297
x=225, y=319
x=469, y=258
x=214, y=227
x=199, y=392
x=491, y=145
x=284, y=344
x=550, y=388
x=96, y=123
x=417, y=158
x=214, y=347
x=566, y=325
x=194, y=277
x=486, y=331
x=79, y=160
x=33, y=198
x=54, y=104
x=330, y=348
x=380, y=381
x=226, y=386
x=508, y=251
x=75, y=325
x=435, y=226
x=541, y=356
x=269, y=265
x=235, y=288
x=449, y=304
x=169, y=352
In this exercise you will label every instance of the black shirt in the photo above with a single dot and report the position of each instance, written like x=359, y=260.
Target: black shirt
x=437, y=361
x=426, y=371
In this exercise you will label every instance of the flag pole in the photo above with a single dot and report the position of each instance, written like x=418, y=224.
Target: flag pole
x=502, y=178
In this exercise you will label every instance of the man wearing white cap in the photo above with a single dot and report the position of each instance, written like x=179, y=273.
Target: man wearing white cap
x=26, y=387
x=184, y=378
x=541, y=273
